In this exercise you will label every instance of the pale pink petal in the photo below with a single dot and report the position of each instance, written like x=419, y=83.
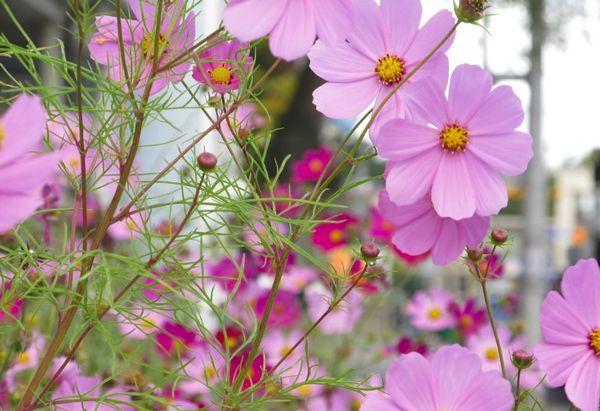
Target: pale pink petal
x=411, y=180
x=507, y=153
x=345, y=100
x=16, y=208
x=488, y=392
x=581, y=288
x=454, y=368
x=252, y=19
x=583, y=384
x=402, y=18
x=501, y=112
x=449, y=243
x=426, y=99
x=377, y=402
x=29, y=173
x=400, y=140
x=429, y=36
x=469, y=87
x=560, y=323
x=23, y=126
x=409, y=381
x=490, y=190
x=334, y=19
x=295, y=32
x=475, y=230
x=452, y=191
x=420, y=235
x=391, y=212
x=558, y=361
x=367, y=34
x=341, y=63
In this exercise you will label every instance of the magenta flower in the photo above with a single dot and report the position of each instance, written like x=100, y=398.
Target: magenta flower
x=469, y=318
x=335, y=233
x=312, y=165
x=342, y=319
x=293, y=25
x=385, y=45
x=420, y=229
x=223, y=67
x=429, y=310
x=570, y=350
x=380, y=228
x=174, y=339
x=460, y=158
x=451, y=380
x=176, y=37
x=227, y=273
x=22, y=127
x=406, y=345
x=286, y=310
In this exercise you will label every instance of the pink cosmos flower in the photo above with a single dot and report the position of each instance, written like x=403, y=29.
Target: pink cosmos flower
x=311, y=166
x=406, y=345
x=243, y=121
x=227, y=274
x=429, y=310
x=174, y=339
x=278, y=343
x=334, y=233
x=469, y=318
x=297, y=278
x=29, y=357
x=176, y=37
x=459, y=159
x=342, y=319
x=286, y=310
x=451, y=380
x=223, y=67
x=128, y=228
x=22, y=127
x=385, y=45
x=204, y=368
x=419, y=229
x=255, y=373
x=292, y=25
x=484, y=344
x=139, y=323
x=570, y=350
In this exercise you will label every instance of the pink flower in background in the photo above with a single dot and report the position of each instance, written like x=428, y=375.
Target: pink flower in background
x=484, y=344
x=224, y=66
x=244, y=121
x=278, y=343
x=174, y=339
x=286, y=310
x=140, y=323
x=419, y=229
x=255, y=373
x=451, y=380
x=293, y=25
x=227, y=274
x=384, y=46
x=490, y=264
x=342, y=319
x=380, y=228
x=204, y=368
x=287, y=196
x=11, y=306
x=22, y=128
x=406, y=345
x=334, y=233
x=311, y=166
x=176, y=37
x=297, y=278
x=469, y=318
x=429, y=310
x=128, y=228
x=460, y=158
x=29, y=357
x=570, y=351
x=411, y=260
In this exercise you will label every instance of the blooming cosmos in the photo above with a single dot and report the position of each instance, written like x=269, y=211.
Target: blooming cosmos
x=459, y=159
x=384, y=46
x=469, y=317
x=429, y=310
x=176, y=35
x=450, y=380
x=293, y=25
x=570, y=351
x=334, y=233
x=311, y=166
x=344, y=316
x=21, y=130
x=484, y=344
x=418, y=229
x=223, y=66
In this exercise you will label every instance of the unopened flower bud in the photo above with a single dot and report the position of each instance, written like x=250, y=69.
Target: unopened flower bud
x=370, y=252
x=522, y=359
x=207, y=161
x=499, y=235
x=470, y=11
x=474, y=255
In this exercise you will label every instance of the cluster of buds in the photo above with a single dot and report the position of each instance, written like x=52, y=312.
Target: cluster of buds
x=471, y=11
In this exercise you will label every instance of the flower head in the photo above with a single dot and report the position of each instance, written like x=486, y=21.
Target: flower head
x=468, y=318
x=312, y=165
x=570, y=351
x=459, y=159
x=429, y=310
x=334, y=233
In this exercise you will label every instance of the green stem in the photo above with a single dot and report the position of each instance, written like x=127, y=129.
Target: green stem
x=488, y=308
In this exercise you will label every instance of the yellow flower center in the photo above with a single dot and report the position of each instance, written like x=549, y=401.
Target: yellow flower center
x=434, y=313
x=315, y=166
x=221, y=75
x=491, y=354
x=390, y=69
x=23, y=358
x=594, y=338
x=465, y=321
x=231, y=341
x=305, y=390
x=336, y=236
x=285, y=350
x=148, y=45
x=210, y=373
x=454, y=138
x=2, y=135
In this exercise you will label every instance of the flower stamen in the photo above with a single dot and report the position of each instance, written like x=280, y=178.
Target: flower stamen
x=454, y=138
x=390, y=70
x=594, y=343
x=221, y=75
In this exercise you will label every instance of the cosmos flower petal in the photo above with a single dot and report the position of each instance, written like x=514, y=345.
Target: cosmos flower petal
x=558, y=361
x=500, y=112
x=378, y=402
x=290, y=40
x=368, y=35
x=341, y=63
x=581, y=288
x=453, y=370
x=418, y=236
x=429, y=36
x=583, y=384
x=469, y=87
x=490, y=189
x=334, y=19
x=489, y=392
x=506, y=153
x=16, y=208
x=410, y=181
x=345, y=100
x=402, y=19
x=401, y=140
x=410, y=383
x=452, y=193
x=449, y=243
x=252, y=19
x=561, y=323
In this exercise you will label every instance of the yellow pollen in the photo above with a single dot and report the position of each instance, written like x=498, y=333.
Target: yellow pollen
x=434, y=313
x=2, y=135
x=221, y=75
x=336, y=236
x=454, y=138
x=594, y=338
x=23, y=358
x=285, y=350
x=491, y=354
x=315, y=166
x=101, y=40
x=390, y=69
x=148, y=45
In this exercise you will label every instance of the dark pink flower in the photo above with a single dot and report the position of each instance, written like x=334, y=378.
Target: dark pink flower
x=334, y=233
x=406, y=345
x=174, y=339
x=469, y=318
x=227, y=273
x=286, y=310
x=223, y=67
x=311, y=166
